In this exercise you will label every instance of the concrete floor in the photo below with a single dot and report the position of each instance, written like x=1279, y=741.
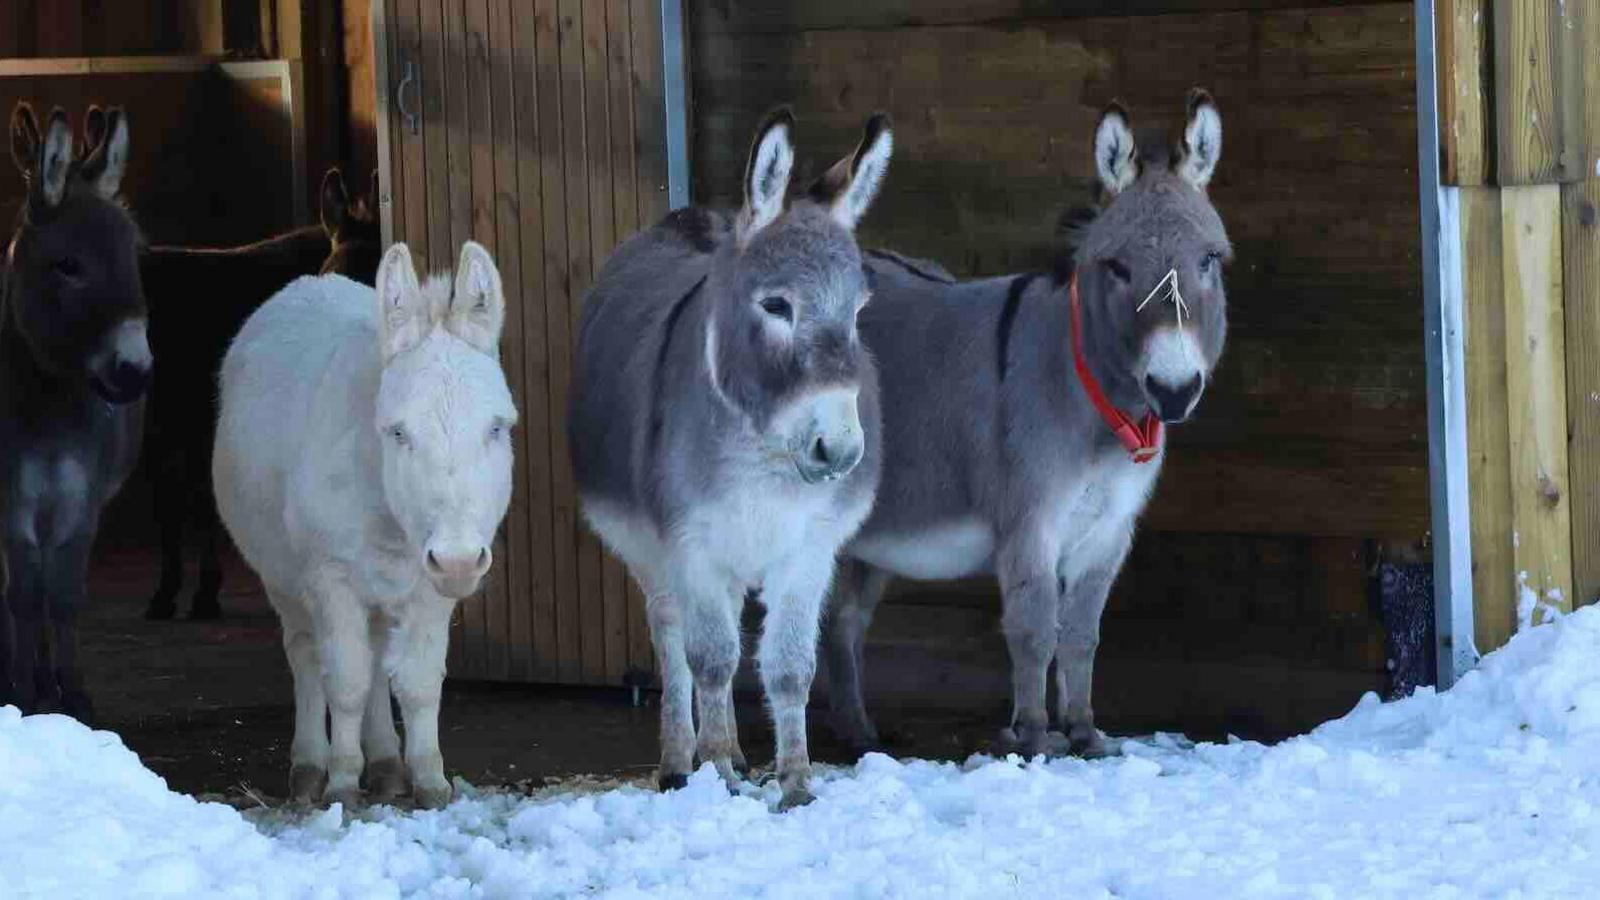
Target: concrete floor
x=208, y=705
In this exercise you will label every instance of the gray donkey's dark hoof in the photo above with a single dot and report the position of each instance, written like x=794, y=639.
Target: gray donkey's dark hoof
x=671, y=782
x=795, y=798
x=385, y=779
x=205, y=610
x=160, y=609
x=1029, y=744
x=306, y=783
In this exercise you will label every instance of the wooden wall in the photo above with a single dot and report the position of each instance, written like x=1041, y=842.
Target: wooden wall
x=1520, y=143
x=540, y=136
x=1309, y=448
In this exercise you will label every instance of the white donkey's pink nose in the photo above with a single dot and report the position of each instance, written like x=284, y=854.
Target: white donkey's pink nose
x=457, y=560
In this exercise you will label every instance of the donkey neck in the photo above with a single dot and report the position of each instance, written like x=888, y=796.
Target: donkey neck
x=28, y=391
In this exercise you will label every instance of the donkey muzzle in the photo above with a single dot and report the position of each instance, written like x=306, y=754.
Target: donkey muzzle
x=831, y=442
x=120, y=373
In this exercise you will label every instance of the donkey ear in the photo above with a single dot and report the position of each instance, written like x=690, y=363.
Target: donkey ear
x=109, y=159
x=478, y=304
x=402, y=310
x=94, y=129
x=25, y=139
x=335, y=201
x=1202, y=140
x=766, y=175
x=849, y=187
x=54, y=159
x=1115, y=156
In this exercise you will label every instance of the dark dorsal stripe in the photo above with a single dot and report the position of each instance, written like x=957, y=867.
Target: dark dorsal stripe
x=1008, y=315
x=911, y=266
x=661, y=360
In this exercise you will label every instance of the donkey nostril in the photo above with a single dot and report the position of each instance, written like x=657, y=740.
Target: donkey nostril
x=433, y=562
x=819, y=451
x=483, y=558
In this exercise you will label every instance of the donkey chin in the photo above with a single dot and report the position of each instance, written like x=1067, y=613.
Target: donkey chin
x=821, y=432
x=1172, y=374
x=121, y=370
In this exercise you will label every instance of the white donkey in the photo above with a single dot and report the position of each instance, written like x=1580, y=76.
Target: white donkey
x=362, y=466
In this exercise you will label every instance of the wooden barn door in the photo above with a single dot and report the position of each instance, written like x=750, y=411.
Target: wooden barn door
x=534, y=127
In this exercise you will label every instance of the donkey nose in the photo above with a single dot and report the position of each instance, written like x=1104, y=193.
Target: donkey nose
x=1173, y=404
x=830, y=456
x=457, y=562
x=129, y=377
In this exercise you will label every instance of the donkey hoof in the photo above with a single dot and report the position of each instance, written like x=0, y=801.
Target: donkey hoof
x=671, y=782
x=349, y=798
x=432, y=796
x=205, y=611
x=1091, y=744
x=385, y=779
x=795, y=797
x=306, y=782
x=160, y=610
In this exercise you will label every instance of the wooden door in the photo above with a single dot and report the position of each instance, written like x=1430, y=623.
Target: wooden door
x=534, y=127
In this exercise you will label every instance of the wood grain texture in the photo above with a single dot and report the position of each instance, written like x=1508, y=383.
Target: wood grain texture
x=1580, y=258
x=1494, y=597
x=1537, y=398
x=1537, y=65
x=1464, y=87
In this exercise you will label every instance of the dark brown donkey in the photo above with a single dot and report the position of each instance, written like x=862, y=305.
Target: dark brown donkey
x=199, y=298
x=74, y=362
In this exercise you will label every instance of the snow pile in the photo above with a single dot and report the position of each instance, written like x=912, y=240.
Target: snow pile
x=1491, y=789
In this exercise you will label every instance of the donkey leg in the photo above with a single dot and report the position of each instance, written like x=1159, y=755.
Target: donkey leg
x=169, y=498
x=788, y=659
x=711, y=644
x=25, y=597
x=856, y=591
x=346, y=654
x=735, y=752
x=385, y=775
x=418, y=684
x=1081, y=609
x=205, y=606
x=66, y=571
x=308, y=754
x=666, y=618
x=1030, y=594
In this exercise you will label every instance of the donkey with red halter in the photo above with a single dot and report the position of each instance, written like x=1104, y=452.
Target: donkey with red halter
x=1022, y=422
x=74, y=362
x=199, y=299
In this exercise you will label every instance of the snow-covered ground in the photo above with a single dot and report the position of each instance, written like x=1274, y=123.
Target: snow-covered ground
x=1489, y=790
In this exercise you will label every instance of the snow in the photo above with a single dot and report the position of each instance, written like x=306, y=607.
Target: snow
x=1489, y=790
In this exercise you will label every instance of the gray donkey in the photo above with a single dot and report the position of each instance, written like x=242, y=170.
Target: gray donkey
x=724, y=427
x=74, y=362
x=1022, y=422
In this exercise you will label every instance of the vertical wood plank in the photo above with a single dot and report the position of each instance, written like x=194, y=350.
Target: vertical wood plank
x=601, y=227
x=1537, y=400
x=482, y=206
x=1534, y=145
x=1580, y=256
x=1462, y=37
x=431, y=249
x=562, y=124
x=537, y=627
x=359, y=58
x=410, y=190
x=625, y=221
x=1494, y=599
x=650, y=198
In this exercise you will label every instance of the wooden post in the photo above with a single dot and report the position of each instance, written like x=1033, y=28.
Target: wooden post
x=1580, y=245
x=1536, y=390
x=1494, y=595
x=1465, y=132
x=1539, y=66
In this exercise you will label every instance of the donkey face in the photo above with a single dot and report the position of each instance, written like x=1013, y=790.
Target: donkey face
x=352, y=229
x=73, y=273
x=782, y=347
x=444, y=413
x=1151, y=263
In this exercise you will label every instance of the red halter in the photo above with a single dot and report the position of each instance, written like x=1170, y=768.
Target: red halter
x=1142, y=439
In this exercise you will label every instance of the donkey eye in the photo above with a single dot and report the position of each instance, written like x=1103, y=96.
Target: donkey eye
x=778, y=308
x=1118, y=270
x=398, y=435
x=1209, y=261
x=496, y=431
x=68, y=267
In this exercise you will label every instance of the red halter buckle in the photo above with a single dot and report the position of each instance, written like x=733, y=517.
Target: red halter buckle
x=1142, y=439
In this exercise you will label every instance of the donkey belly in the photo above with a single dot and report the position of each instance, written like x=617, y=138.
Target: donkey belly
x=954, y=549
